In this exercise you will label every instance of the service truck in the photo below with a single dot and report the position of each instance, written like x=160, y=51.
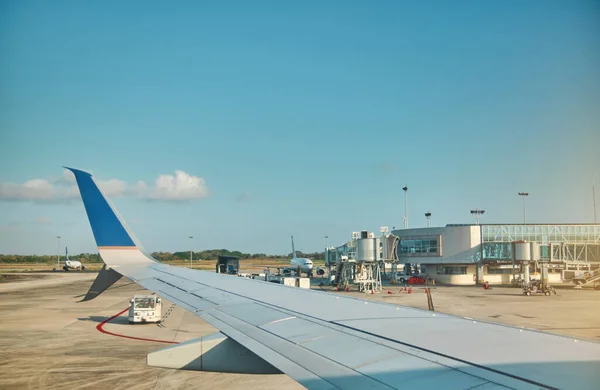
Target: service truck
x=145, y=308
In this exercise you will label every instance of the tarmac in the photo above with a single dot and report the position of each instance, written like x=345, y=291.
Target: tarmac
x=49, y=340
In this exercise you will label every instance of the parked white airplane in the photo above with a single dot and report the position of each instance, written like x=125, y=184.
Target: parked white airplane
x=327, y=341
x=306, y=265
x=72, y=264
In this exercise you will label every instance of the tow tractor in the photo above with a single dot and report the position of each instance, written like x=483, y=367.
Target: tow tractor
x=538, y=287
x=145, y=308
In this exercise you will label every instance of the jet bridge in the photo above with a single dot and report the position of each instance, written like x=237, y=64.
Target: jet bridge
x=361, y=261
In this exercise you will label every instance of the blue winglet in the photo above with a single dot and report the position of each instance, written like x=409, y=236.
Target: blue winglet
x=106, y=225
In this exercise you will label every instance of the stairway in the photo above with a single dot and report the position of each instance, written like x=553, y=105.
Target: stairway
x=589, y=277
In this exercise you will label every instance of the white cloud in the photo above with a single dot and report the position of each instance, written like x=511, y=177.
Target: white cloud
x=178, y=187
x=72, y=193
x=140, y=189
x=36, y=189
x=112, y=187
x=67, y=178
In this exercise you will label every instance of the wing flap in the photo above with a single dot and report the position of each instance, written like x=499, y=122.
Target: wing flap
x=345, y=360
x=298, y=330
x=529, y=356
x=298, y=372
x=323, y=371
x=255, y=314
x=415, y=373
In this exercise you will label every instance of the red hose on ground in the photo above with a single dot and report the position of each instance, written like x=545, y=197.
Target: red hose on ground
x=100, y=327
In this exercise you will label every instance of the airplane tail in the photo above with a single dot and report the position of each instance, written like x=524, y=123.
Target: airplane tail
x=293, y=249
x=116, y=244
x=66, y=253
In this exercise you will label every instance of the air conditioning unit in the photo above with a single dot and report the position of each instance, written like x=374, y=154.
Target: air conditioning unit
x=355, y=235
x=371, y=235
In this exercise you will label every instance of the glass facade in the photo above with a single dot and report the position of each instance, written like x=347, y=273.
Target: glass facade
x=544, y=252
x=542, y=234
x=451, y=270
x=494, y=243
x=420, y=246
x=502, y=271
x=554, y=242
x=497, y=250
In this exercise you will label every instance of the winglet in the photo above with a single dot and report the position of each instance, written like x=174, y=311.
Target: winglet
x=116, y=244
x=107, y=227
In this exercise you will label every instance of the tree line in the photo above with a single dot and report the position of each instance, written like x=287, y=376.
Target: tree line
x=84, y=257
x=210, y=254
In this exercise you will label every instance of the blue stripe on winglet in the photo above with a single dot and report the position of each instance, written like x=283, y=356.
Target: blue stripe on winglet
x=108, y=229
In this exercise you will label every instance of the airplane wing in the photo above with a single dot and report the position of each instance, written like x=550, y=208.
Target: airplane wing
x=327, y=341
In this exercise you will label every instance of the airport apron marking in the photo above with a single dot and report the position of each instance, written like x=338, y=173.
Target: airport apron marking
x=100, y=328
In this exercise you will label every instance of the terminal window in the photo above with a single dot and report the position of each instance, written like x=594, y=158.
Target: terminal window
x=544, y=252
x=497, y=251
x=419, y=246
x=501, y=271
x=451, y=270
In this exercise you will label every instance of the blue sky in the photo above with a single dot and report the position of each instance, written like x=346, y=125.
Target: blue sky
x=303, y=118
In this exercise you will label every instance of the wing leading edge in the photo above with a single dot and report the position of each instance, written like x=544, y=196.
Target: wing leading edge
x=326, y=341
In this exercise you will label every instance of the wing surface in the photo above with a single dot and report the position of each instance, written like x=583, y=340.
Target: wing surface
x=327, y=341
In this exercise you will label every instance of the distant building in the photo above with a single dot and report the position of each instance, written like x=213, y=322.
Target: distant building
x=498, y=253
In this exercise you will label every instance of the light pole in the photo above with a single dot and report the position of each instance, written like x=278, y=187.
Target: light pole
x=405, y=189
x=594, y=198
x=191, y=237
x=428, y=216
x=523, y=195
x=58, y=254
x=326, y=253
x=477, y=213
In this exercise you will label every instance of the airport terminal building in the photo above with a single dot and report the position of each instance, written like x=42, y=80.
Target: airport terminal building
x=499, y=253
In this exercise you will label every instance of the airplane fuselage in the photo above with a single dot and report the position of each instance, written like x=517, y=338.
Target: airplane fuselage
x=73, y=264
x=305, y=265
